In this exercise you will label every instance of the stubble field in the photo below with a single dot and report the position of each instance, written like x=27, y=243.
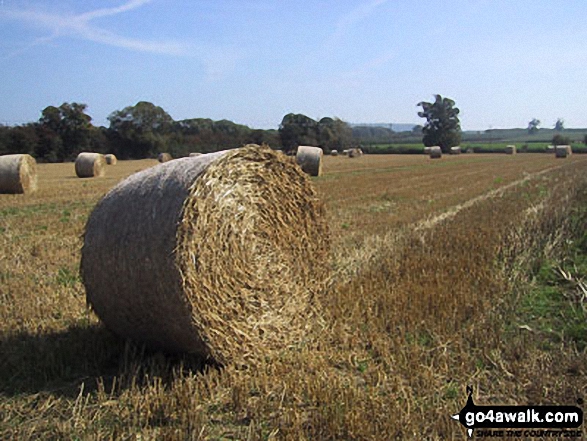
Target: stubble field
x=432, y=262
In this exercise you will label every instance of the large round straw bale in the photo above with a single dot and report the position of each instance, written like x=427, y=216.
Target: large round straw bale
x=194, y=154
x=219, y=255
x=435, y=152
x=18, y=174
x=455, y=150
x=334, y=153
x=90, y=165
x=110, y=159
x=561, y=151
x=510, y=149
x=164, y=157
x=310, y=159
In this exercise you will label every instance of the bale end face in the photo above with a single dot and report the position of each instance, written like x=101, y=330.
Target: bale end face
x=164, y=157
x=310, y=159
x=90, y=165
x=510, y=150
x=561, y=151
x=18, y=174
x=110, y=159
x=435, y=152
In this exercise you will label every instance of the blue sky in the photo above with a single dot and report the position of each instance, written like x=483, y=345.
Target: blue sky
x=504, y=62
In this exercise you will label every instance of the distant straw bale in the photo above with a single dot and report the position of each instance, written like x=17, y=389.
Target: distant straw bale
x=90, y=165
x=455, y=150
x=510, y=150
x=194, y=154
x=355, y=153
x=18, y=174
x=569, y=149
x=164, y=157
x=435, y=152
x=221, y=255
x=310, y=159
x=334, y=153
x=427, y=150
x=561, y=151
x=110, y=159
x=549, y=149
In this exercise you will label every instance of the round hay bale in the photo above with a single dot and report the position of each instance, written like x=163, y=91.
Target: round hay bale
x=90, y=165
x=427, y=150
x=110, y=159
x=345, y=151
x=561, y=151
x=355, y=153
x=334, y=153
x=219, y=255
x=194, y=154
x=549, y=149
x=18, y=174
x=510, y=150
x=164, y=157
x=310, y=159
x=569, y=149
x=455, y=150
x=435, y=152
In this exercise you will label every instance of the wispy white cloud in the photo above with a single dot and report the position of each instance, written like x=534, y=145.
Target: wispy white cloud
x=345, y=24
x=80, y=26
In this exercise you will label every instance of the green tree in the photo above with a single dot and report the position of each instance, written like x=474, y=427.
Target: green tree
x=140, y=131
x=22, y=139
x=559, y=139
x=442, y=127
x=334, y=134
x=297, y=129
x=559, y=126
x=533, y=126
x=72, y=125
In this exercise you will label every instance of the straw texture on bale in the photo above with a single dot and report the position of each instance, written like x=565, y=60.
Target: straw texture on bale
x=164, y=157
x=110, y=159
x=90, y=165
x=194, y=154
x=18, y=174
x=435, y=152
x=455, y=150
x=310, y=159
x=219, y=255
x=510, y=149
x=561, y=151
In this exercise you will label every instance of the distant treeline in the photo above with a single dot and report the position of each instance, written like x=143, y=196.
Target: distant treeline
x=144, y=130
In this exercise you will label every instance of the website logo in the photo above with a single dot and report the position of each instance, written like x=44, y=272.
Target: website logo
x=512, y=420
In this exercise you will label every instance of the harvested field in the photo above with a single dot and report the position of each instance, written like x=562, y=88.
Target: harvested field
x=431, y=261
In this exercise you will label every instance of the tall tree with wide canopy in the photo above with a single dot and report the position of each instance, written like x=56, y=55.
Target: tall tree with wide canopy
x=442, y=127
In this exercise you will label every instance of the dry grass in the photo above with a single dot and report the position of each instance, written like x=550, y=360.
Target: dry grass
x=401, y=336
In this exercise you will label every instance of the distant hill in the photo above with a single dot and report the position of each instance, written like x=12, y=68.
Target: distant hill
x=521, y=135
x=393, y=126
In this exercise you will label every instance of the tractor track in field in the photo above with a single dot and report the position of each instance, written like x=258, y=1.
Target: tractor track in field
x=349, y=264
